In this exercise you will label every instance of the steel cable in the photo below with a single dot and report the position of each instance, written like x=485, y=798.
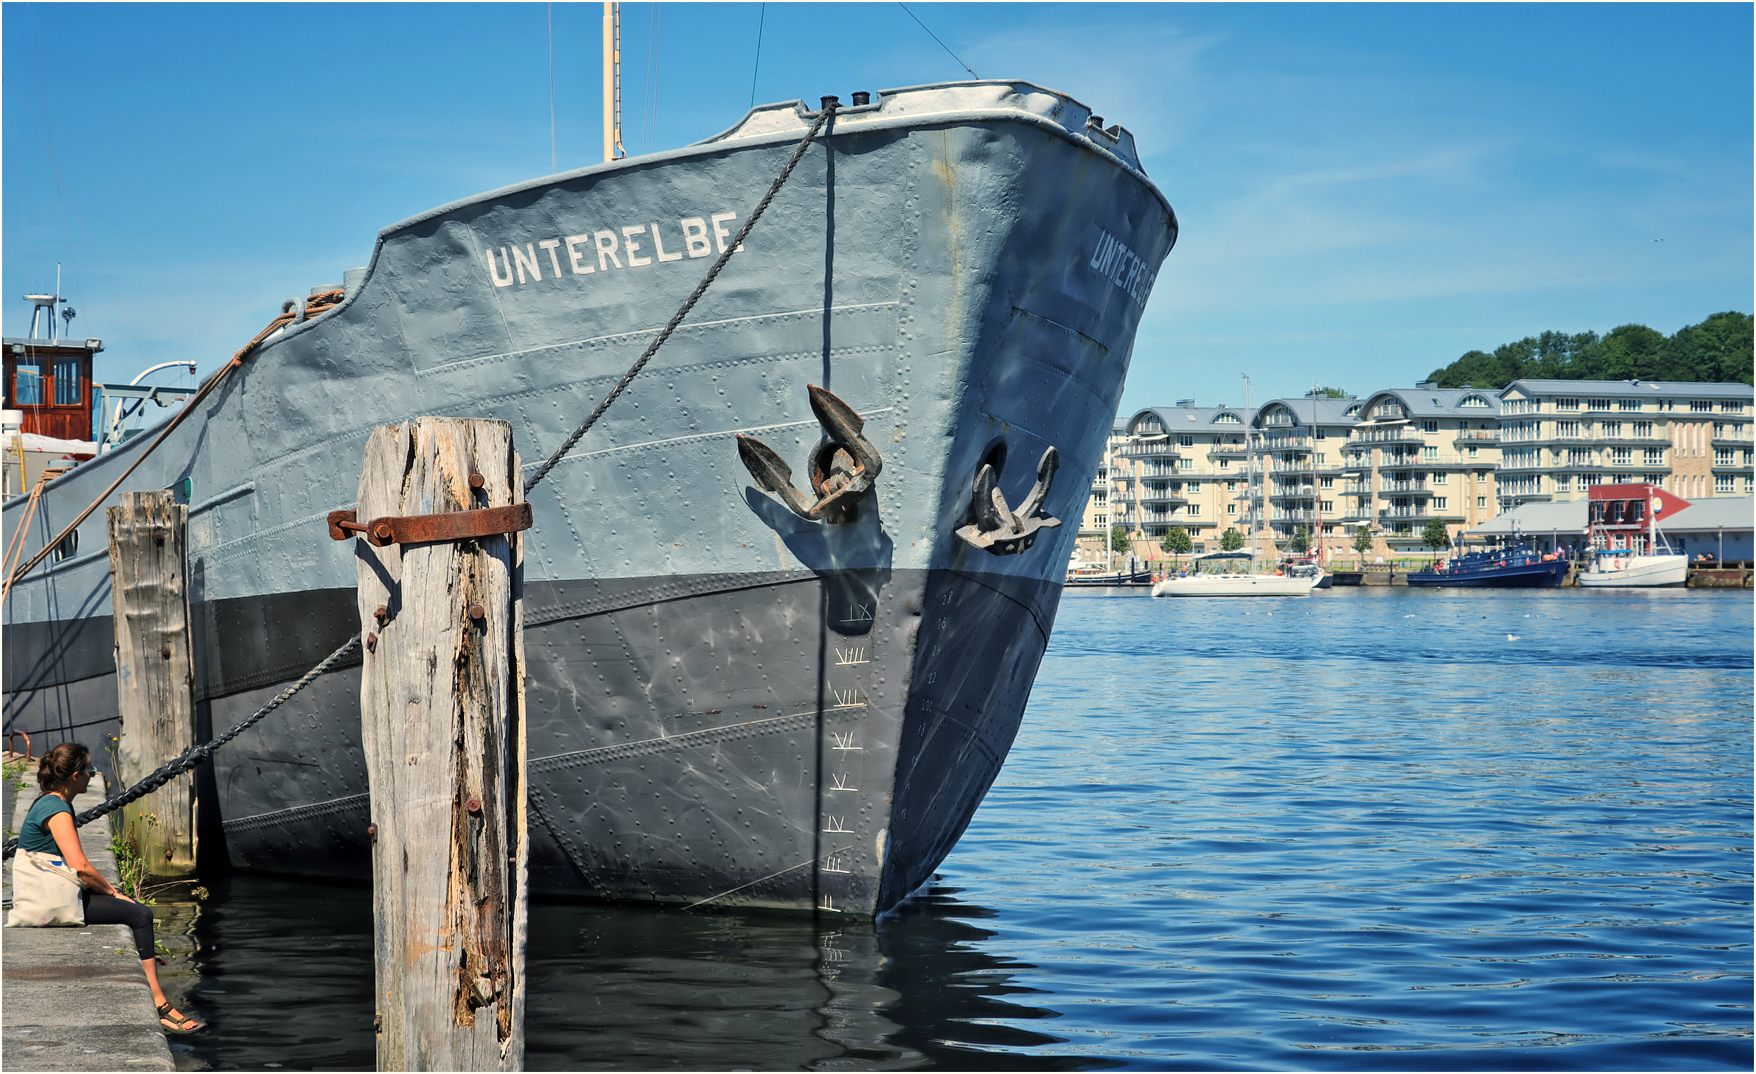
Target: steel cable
x=823, y=117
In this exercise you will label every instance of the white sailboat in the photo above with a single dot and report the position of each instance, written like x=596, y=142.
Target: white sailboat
x=1213, y=577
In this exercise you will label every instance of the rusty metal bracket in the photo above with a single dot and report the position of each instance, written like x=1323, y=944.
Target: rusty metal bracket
x=843, y=467
x=998, y=529
x=422, y=529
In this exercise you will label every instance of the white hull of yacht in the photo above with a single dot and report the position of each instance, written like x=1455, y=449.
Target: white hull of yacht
x=1236, y=585
x=1637, y=571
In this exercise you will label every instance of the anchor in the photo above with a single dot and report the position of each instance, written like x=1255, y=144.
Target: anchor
x=843, y=466
x=998, y=529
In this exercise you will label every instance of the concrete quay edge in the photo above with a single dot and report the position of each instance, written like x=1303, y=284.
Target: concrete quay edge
x=76, y=998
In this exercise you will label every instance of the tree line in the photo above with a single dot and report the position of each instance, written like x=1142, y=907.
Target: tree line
x=1717, y=349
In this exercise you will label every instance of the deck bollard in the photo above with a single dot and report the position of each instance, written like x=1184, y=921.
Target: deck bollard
x=442, y=715
x=155, y=681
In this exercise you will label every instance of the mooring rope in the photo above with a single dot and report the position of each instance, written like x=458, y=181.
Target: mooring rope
x=194, y=755
x=829, y=107
x=318, y=303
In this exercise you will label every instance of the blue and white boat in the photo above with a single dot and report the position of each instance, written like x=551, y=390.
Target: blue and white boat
x=1509, y=566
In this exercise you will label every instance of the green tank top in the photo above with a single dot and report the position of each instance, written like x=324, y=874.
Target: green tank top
x=35, y=834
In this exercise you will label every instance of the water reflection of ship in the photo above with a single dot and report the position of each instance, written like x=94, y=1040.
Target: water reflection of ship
x=635, y=988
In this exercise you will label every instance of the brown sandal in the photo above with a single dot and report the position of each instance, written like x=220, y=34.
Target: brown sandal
x=184, y=1024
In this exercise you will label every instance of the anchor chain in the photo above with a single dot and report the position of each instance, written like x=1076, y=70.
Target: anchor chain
x=194, y=755
x=997, y=528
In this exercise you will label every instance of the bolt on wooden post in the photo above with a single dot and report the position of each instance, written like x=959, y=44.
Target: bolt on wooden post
x=155, y=681
x=442, y=711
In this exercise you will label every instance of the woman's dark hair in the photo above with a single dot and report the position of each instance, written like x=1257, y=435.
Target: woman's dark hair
x=61, y=764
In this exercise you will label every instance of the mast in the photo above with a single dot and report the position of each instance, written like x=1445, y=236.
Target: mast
x=1250, y=469
x=613, y=81
x=1316, y=549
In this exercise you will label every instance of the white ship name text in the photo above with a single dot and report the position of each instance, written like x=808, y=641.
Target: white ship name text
x=1123, y=266
x=631, y=247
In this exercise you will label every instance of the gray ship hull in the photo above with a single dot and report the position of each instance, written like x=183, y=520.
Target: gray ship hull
x=728, y=704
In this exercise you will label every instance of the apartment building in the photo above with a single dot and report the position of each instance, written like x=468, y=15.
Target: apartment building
x=1182, y=466
x=1560, y=437
x=1402, y=457
x=1418, y=454
x=1301, y=468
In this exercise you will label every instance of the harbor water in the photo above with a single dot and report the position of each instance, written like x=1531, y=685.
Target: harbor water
x=1369, y=829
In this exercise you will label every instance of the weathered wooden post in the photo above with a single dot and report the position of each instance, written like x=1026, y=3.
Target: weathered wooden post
x=155, y=681
x=440, y=573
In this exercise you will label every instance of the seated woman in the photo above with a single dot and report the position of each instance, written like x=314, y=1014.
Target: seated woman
x=63, y=774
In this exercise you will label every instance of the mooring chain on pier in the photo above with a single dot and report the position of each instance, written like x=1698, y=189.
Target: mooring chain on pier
x=196, y=754
x=830, y=104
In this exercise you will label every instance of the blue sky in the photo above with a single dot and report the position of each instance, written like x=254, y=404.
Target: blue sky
x=1365, y=191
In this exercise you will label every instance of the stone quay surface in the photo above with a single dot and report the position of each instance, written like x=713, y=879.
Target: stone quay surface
x=76, y=998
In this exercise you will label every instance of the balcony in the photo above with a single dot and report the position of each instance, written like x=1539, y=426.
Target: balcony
x=1271, y=442
x=1305, y=516
x=1161, y=496
x=1395, y=434
x=1227, y=451
x=1403, y=514
x=1476, y=438
x=1164, y=450
x=1388, y=487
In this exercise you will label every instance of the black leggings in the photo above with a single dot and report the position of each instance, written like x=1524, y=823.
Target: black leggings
x=109, y=910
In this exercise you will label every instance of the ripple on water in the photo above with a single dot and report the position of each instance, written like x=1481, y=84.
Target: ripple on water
x=1366, y=832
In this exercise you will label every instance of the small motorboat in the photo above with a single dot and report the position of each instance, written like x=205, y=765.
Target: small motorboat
x=1627, y=548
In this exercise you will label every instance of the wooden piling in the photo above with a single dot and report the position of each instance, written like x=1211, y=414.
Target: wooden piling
x=441, y=705
x=155, y=682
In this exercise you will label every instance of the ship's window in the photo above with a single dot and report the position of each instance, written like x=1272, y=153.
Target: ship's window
x=66, y=382
x=68, y=546
x=27, y=384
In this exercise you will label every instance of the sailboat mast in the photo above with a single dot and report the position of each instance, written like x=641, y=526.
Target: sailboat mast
x=1250, y=469
x=613, y=81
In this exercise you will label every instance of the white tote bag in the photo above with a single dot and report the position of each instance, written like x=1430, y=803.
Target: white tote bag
x=45, y=891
